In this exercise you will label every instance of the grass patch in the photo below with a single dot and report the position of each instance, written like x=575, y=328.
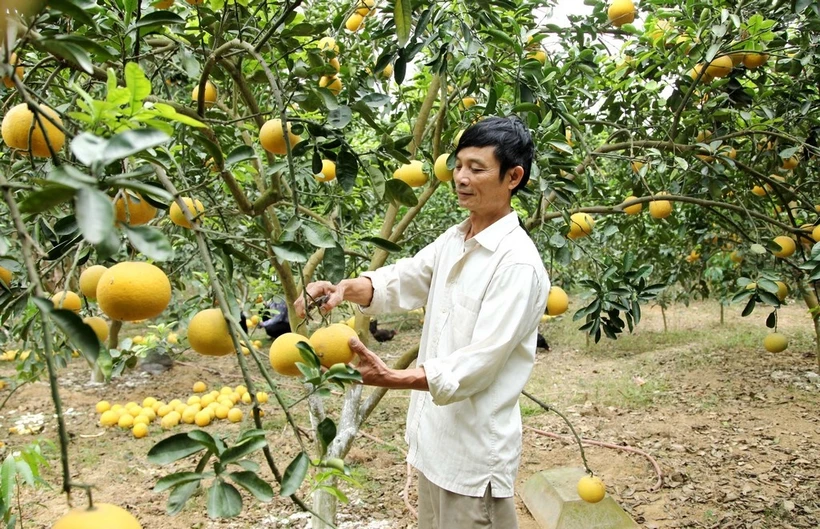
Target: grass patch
x=624, y=392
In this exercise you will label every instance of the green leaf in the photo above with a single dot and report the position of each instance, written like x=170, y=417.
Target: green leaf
x=400, y=193
x=174, y=448
x=240, y=154
x=339, y=117
x=161, y=17
x=76, y=9
x=7, y=474
x=80, y=334
x=131, y=142
x=137, y=83
x=290, y=251
x=295, y=474
x=178, y=478
x=375, y=100
x=180, y=496
x=224, y=501
x=333, y=264
x=327, y=432
x=384, y=244
x=249, y=481
x=94, y=213
x=318, y=235
x=239, y=451
x=347, y=167
x=403, y=17
x=205, y=439
x=70, y=176
x=70, y=52
x=150, y=241
x=46, y=198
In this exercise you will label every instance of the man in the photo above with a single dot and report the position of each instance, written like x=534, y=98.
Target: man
x=484, y=287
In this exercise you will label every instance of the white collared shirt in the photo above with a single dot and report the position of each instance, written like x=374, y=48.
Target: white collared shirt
x=484, y=299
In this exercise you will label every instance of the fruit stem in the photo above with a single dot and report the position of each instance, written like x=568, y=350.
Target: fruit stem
x=547, y=407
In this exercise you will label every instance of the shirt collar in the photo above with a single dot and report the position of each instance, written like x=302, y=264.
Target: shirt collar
x=492, y=236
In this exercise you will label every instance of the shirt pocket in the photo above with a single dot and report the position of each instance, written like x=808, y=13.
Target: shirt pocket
x=463, y=318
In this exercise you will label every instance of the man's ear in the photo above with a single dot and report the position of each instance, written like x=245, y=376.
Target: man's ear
x=516, y=174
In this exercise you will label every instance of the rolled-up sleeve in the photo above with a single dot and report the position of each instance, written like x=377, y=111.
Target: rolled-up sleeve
x=507, y=319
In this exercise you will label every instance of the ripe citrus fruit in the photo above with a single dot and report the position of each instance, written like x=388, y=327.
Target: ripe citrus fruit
x=365, y=7
x=100, y=516
x=332, y=83
x=660, y=209
x=621, y=12
x=200, y=387
x=331, y=344
x=328, y=44
x=133, y=290
x=273, y=139
x=19, y=71
x=99, y=325
x=440, y=168
x=632, y=210
x=208, y=333
x=210, y=93
x=126, y=420
x=354, y=22
x=194, y=206
x=538, y=55
x=815, y=234
x=557, y=301
x=17, y=128
x=754, y=60
x=102, y=406
x=109, y=418
x=466, y=102
x=787, y=246
x=411, y=174
x=695, y=72
x=790, y=163
x=284, y=354
x=140, y=430
x=164, y=4
x=775, y=342
x=327, y=174
x=261, y=397
x=235, y=415
x=89, y=279
x=387, y=71
x=133, y=210
x=759, y=191
x=334, y=62
x=5, y=276
x=202, y=418
x=580, y=225
x=782, y=291
x=66, y=299
x=591, y=489
x=720, y=66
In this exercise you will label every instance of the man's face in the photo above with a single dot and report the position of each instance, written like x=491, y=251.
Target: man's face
x=477, y=182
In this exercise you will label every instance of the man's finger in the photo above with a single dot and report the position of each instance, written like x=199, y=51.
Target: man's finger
x=358, y=347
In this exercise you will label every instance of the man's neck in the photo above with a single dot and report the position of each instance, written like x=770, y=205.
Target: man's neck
x=480, y=222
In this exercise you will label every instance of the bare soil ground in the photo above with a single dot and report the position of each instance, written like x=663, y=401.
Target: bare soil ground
x=734, y=429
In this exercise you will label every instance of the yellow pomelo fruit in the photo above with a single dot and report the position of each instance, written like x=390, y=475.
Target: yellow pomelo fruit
x=89, y=279
x=538, y=55
x=235, y=415
x=99, y=325
x=632, y=210
x=210, y=93
x=759, y=191
x=387, y=71
x=284, y=354
x=736, y=257
x=332, y=83
x=126, y=421
x=178, y=217
x=246, y=398
x=17, y=126
x=440, y=168
x=466, y=102
x=200, y=387
x=354, y=22
x=328, y=44
x=19, y=71
x=660, y=209
x=133, y=210
x=202, y=418
x=720, y=66
x=557, y=301
x=331, y=344
x=775, y=342
x=272, y=137
x=328, y=171
x=364, y=7
x=133, y=290
x=787, y=246
x=163, y=4
x=790, y=163
x=109, y=418
x=140, y=429
x=208, y=333
x=411, y=174
x=261, y=397
x=170, y=420
x=815, y=234
x=5, y=276
x=66, y=299
x=100, y=516
x=580, y=225
x=102, y=406
x=621, y=12
x=334, y=62
x=754, y=60
x=591, y=489
x=782, y=290
x=637, y=166
x=694, y=73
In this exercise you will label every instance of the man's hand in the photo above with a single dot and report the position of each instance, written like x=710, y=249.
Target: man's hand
x=373, y=369
x=322, y=294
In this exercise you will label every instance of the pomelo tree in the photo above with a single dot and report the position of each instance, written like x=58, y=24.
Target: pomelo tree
x=247, y=148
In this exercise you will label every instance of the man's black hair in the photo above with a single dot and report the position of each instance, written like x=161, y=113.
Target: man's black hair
x=511, y=139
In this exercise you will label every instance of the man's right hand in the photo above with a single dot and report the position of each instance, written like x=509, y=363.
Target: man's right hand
x=320, y=294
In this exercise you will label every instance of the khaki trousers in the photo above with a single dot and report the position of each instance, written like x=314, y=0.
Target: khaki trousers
x=442, y=509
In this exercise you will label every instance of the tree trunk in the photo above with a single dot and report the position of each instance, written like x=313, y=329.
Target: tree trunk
x=663, y=313
x=814, y=307
x=324, y=504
